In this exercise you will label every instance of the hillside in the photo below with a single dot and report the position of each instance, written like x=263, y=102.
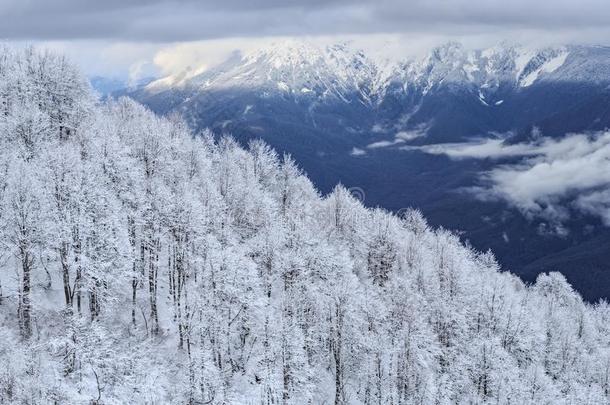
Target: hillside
x=141, y=264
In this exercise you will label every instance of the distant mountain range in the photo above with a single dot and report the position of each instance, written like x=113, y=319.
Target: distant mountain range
x=347, y=117
x=452, y=92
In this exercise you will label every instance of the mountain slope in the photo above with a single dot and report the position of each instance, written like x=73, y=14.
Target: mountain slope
x=145, y=265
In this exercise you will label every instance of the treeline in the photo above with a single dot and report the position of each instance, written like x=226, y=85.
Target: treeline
x=142, y=264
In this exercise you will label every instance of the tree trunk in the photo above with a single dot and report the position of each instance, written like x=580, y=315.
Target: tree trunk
x=94, y=303
x=24, y=299
x=134, y=269
x=65, y=267
x=337, y=349
x=134, y=289
x=78, y=281
x=152, y=286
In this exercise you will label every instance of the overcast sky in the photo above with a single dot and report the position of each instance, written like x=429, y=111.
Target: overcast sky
x=120, y=37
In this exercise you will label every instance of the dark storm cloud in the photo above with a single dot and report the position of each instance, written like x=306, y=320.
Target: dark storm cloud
x=182, y=20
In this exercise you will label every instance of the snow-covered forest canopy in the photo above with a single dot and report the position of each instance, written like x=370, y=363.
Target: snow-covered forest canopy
x=142, y=264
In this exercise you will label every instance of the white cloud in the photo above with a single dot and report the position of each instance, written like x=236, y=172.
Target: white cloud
x=383, y=144
x=597, y=202
x=409, y=135
x=551, y=176
x=399, y=138
x=199, y=55
x=491, y=148
x=127, y=60
x=357, y=152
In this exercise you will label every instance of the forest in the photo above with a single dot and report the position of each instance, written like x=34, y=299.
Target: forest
x=143, y=263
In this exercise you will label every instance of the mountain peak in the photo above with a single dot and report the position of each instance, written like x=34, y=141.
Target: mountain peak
x=288, y=52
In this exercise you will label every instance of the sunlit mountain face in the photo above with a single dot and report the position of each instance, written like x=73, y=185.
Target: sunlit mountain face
x=376, y=124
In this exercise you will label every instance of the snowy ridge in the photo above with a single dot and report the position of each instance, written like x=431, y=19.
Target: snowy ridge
x=292, y=67
x=306, y=69
x=546, y=62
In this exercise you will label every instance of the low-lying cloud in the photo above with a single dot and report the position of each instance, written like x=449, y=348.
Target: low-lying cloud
x=549, y=178
x=400, y=137
x=492, y=149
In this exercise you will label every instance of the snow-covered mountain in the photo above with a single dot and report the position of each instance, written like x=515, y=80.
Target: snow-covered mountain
x=302, y=70
x=472, y=92
x=306, y=69
x=486, y=70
